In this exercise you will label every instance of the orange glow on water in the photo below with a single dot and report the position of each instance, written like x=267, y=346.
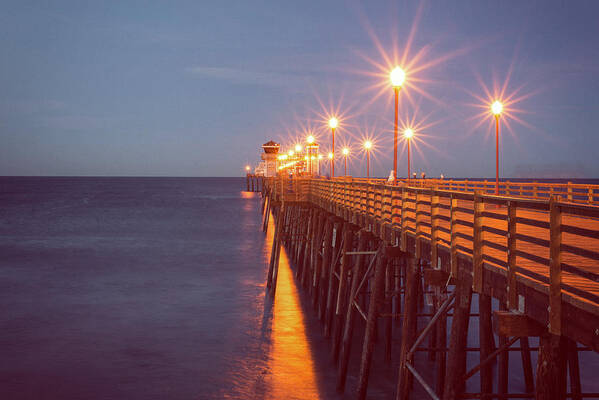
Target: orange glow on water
x=291, y=365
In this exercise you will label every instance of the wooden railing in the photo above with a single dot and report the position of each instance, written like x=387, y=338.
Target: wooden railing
x=570, y=192
x=545, y=242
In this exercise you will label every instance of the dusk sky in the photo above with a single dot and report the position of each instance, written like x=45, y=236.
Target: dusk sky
x=194, y=88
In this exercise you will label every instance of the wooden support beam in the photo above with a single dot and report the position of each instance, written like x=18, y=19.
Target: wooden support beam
x=407, y=328
x=373, y=311
x=348, y=329
x=551, y=368
x=456, y=357
x=340, y=306
x=485, y=332
x=438, y=278
x=508, y=323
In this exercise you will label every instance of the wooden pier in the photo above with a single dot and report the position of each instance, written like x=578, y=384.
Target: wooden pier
x=364, y=249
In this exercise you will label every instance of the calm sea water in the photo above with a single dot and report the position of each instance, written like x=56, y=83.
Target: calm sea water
x=147, y=288
x=154, y=288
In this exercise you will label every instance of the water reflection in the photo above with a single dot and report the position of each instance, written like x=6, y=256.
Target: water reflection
x=291, y=364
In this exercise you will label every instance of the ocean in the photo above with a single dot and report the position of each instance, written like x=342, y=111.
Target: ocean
x=154, y=288
x=147, y=288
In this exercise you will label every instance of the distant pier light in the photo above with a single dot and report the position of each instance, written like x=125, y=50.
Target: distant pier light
x=298, y=148
x=398, y=78
x=345, y=152
x=247, y=168
x=333, y=124
x=408, y=134
x=310, y=147
x=497, y=109
x=368, y=146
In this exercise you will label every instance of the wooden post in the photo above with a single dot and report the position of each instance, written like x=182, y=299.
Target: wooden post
x=573, y=367
x=407, y=328
x=434, y=229
x=348, y=329
x=477, y=250
x=551, y=368
x=555, y=268
x=512, y=288
x=340, y=309
x=485, y=331
x=404, y=223
x=329, y=286
x=418, y=217
x=454, y=236
x=569, y=191
x=503, y=364
x=373, y=311
x=456, y=358
x=247, y=182
x=326, y=259
x=442, y=356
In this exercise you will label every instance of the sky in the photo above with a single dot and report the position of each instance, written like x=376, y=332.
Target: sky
x=194, y=88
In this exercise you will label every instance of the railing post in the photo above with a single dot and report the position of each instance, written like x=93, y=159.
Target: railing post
x=477, y=245
x=555, y=267
x=434, y=228
x=418, y=218
x=512, y=291
x=404, y=224
x=454, y=237
x=569, y=191
x=590, y=195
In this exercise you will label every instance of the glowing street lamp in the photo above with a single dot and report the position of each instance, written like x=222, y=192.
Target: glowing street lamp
x=398, y=77
x=345, y=154
x=368, y=146
x=291, y=153
x=247, y=168
x=298, y=148
x=333, y=123
x=408, y=133
x=496, y=109
x=310, y=141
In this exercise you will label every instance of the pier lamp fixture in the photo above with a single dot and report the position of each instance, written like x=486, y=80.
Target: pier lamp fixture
x=298, y=148
x=333, y=124
x=398, y=77
x=496, y=109
x=345, y=154
x=408, y=134
x=291, y=153
x=368, y=146
x=310, y=140
x=247, y=168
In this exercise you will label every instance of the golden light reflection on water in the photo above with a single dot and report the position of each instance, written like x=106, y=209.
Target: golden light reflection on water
x=290, y=363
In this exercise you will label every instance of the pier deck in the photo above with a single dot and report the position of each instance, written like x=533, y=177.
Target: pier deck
x=537, y=252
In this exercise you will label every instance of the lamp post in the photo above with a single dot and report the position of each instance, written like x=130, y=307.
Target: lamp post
x=368, y=146
x=330, y=155
x=333, y=123
x=398, y=77
x=345, y=154
x=497, y=108
x=408, y=133
x=310, y=141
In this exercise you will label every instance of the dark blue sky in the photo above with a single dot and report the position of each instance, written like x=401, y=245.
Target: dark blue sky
x=194, y=88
